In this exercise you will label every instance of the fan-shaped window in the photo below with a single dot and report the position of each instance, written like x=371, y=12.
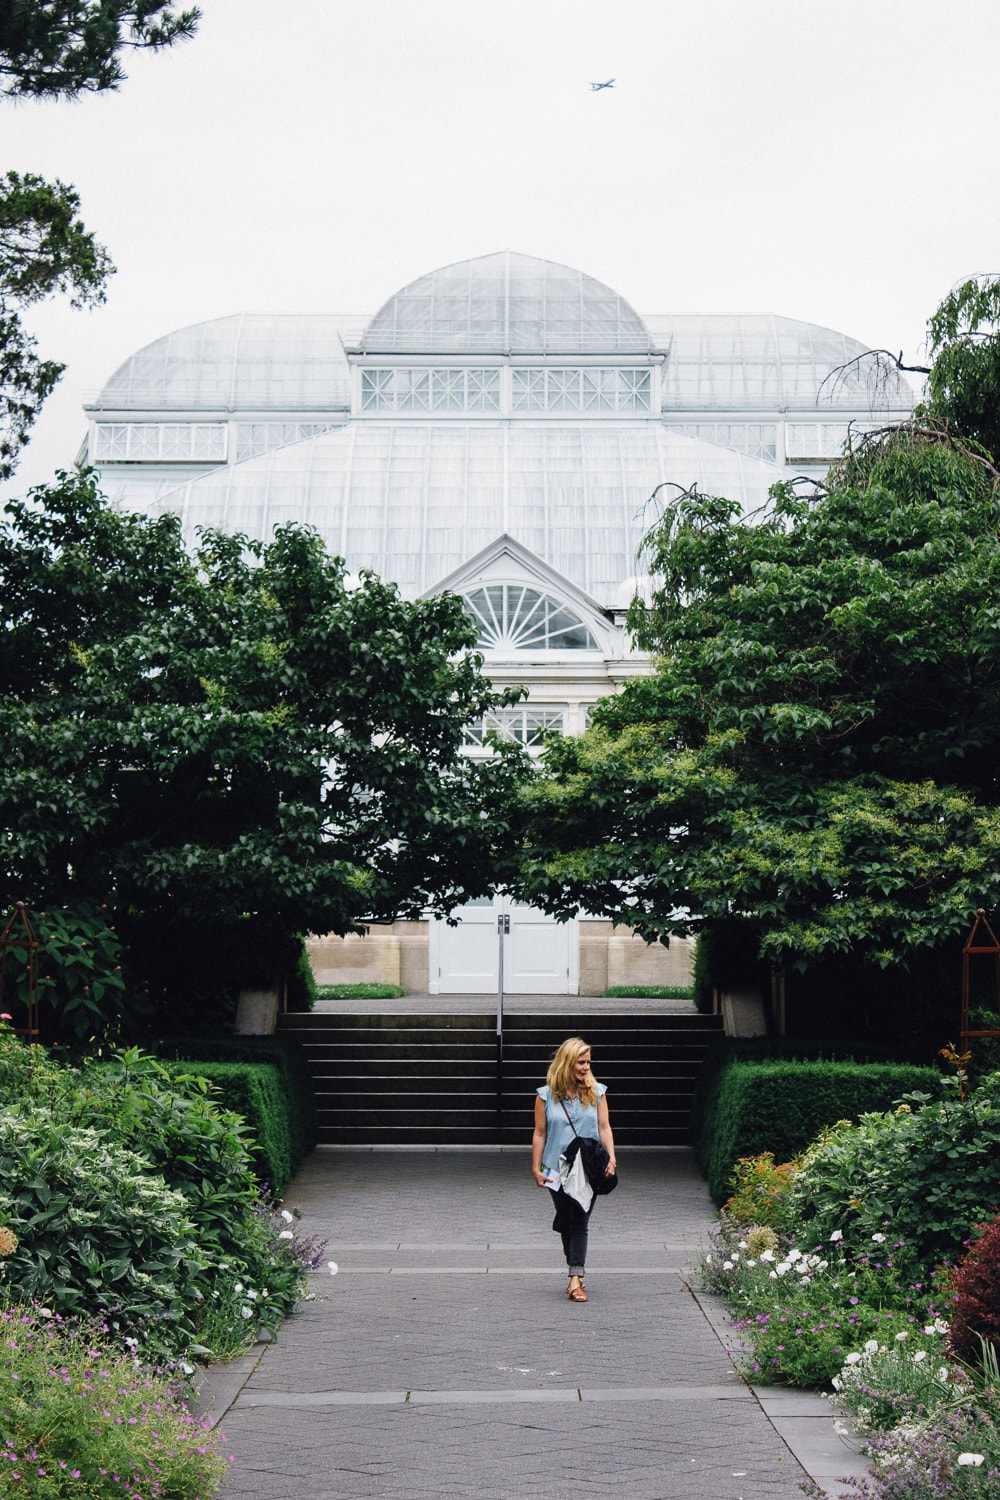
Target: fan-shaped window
x=514, y=617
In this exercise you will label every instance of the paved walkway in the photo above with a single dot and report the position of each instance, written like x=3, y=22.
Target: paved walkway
x=444, y=1360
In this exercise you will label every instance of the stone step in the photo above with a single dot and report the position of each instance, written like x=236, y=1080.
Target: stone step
x=481, y=1135
x=426, y=1080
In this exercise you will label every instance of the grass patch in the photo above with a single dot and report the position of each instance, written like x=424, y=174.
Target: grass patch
x=649, y=992
x=359, y=992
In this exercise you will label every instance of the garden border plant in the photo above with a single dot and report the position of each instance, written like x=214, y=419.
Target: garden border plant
x=839, y=1267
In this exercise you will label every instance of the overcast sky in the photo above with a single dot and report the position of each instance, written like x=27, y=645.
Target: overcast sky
x=833, y=160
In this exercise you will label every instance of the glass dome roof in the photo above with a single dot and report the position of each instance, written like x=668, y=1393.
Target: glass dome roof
x=739, y=360
x=414, y=501
x=506, y=304
x=282, y=362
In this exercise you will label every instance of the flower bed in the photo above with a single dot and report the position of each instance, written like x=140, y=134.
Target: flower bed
x=843, y=1269
x=134, y=1241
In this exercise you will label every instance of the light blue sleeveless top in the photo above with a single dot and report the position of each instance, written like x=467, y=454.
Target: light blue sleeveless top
x=559, y=1131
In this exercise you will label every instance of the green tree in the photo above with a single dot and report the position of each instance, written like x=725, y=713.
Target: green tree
x=56, y=48
x=815, y=753
x=44, y=249
x=232, y=749
x=963, y=382
x=68, y=47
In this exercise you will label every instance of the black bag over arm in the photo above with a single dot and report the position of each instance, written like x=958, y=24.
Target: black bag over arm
x=595, y=1159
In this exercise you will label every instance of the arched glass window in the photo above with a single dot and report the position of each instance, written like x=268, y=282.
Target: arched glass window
x=516, y=617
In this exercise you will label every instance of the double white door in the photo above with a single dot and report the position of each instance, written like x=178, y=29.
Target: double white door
x=540, y=956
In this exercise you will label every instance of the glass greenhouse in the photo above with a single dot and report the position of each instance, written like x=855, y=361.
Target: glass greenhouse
x=500, y=427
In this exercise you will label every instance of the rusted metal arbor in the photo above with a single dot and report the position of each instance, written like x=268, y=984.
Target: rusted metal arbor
x=19, y=944
x=981, y=943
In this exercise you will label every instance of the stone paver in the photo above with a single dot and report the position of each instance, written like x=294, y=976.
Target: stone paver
x=444, y=1360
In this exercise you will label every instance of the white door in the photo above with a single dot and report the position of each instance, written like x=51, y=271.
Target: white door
x=540, y=956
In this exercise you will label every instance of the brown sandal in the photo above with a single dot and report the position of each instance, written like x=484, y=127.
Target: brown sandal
x=576, y=1293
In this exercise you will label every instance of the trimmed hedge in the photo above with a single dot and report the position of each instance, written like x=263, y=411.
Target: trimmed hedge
x=253, y=1091
x=727, y=1049
x=284, y=1054
x=780, y=1105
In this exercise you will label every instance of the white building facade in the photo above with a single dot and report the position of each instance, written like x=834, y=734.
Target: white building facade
x=498, y=429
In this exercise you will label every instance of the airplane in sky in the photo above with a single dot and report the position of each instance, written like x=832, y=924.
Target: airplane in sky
x=609, y=85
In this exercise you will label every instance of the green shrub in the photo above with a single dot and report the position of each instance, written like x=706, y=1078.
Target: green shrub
x=760, y=1192
x=98, y=1231
x=80, y=1418
x=223, y=1237
x=302, y=991
x=649, y=992
x=359, y=991
x=780, y=1106
x=282, y=1052
x=254, y=1092
x=928, y=1173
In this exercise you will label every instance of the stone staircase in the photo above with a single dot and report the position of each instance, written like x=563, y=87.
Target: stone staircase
x=422, y=1080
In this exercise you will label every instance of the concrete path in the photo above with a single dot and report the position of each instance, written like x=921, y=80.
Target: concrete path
x=445, y=1362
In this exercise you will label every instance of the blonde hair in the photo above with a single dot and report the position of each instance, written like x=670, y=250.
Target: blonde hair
x=561, y=1077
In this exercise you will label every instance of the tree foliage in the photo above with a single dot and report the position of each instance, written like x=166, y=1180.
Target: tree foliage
x=234, y=744
x=57, y=48
x=44, y=249
x=815, y=753
x=68, y=47
x=964, y=379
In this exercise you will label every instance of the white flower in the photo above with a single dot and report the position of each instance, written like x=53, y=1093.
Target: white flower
x=727, y=1265
x=871, y=1347
x=940, y=1326
x=794, y=1255
x=185, y=1368
x=251, y=1294
x=943, y=1373
x=286, y=1234
x=784, y=1267
x=920, y=1354
x=751, y=1262
x=708, y=1258
x=238, y=1288
x=772, y=1275
x=288, y=1218
x=970, y=1459
x=246, y=1312
x=333, y=1267
x=767, y=1255
x=852, y=1358
x=821, y=1265
x=879, y=1239
x=838, y=1234
x=901, y=1336
x=835, y=1382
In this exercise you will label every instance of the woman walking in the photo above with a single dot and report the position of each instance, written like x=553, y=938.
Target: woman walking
x=571, y=1102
